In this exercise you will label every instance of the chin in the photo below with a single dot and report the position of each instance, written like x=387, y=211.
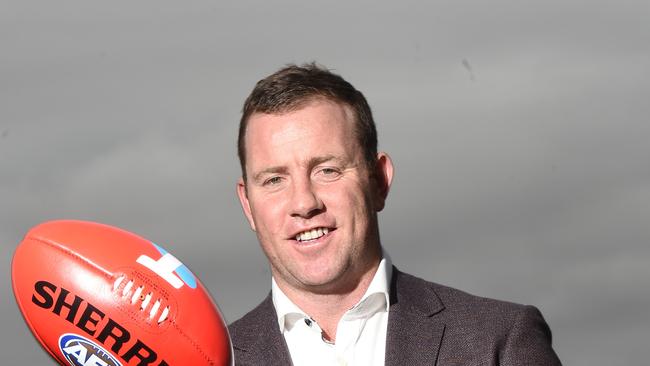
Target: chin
x=327, y=283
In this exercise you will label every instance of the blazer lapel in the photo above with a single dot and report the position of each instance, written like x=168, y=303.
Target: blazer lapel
x=414, y=332
x=261, y=342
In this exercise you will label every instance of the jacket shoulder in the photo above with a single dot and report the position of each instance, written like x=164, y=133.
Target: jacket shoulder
x=501, y=331
x=459, y=304
x=246, y=329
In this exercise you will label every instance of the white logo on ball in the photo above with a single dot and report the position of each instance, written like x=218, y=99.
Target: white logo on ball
x=164, y=267
x=80, y=353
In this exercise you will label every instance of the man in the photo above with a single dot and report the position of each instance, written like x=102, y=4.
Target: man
x=311, y=187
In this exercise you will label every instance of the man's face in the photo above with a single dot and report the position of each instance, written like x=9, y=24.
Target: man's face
x=310, y=197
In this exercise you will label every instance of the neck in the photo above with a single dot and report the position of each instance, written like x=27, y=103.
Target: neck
x=328, y=307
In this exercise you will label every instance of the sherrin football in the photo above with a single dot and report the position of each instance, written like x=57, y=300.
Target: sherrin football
x=96, y=295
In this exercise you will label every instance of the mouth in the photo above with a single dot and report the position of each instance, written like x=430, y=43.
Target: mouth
x=312, y=234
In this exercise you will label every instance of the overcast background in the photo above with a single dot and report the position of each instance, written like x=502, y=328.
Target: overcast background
x=516, y=127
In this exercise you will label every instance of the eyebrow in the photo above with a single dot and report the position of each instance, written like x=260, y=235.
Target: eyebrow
x=272, y=170
x=283, y=169
x=323, y=159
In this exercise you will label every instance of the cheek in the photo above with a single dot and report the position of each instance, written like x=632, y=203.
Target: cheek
x=268, y=224
x=349, y=202
x=268, y=214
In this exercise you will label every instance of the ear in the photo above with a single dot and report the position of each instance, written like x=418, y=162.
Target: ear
x=383, y=178
x=245, y=204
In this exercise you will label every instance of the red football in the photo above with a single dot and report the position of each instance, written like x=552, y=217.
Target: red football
x=95, y=295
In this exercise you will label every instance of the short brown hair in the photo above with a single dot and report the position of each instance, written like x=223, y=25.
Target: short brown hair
x=292, y=87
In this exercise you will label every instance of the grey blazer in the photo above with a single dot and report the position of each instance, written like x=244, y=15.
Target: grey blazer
x=428, y=324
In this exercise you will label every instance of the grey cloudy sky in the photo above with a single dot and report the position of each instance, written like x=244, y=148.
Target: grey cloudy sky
x=522, y=159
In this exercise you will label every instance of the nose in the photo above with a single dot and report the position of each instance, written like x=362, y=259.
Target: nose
x=305, y=202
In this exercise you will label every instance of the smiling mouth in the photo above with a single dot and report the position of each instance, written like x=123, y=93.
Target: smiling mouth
x=312, y=234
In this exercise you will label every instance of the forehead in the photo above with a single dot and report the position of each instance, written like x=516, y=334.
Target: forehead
x=322, y=121
x=312, y=108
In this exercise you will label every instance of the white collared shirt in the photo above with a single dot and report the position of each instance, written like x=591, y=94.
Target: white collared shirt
x=360, y=334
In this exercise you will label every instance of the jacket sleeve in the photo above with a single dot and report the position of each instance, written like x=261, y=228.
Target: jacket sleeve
x=529, y=341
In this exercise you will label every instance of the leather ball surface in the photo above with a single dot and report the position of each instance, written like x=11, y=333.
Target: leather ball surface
x=96, y=295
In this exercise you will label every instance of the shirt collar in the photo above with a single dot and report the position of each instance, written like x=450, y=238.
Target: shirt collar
x=288, y=312
x=376, y=298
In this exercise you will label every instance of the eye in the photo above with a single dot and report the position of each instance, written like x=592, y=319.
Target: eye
x=328, y=173
x=272, y=181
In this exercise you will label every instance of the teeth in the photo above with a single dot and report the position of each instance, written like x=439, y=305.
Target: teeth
x=312, y=234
